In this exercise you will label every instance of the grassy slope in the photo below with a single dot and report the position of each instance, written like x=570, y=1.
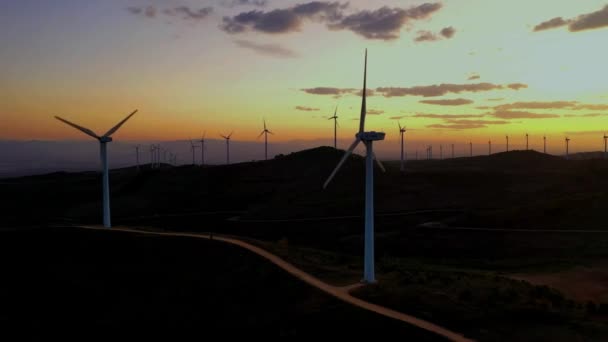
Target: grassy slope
x=87, y=284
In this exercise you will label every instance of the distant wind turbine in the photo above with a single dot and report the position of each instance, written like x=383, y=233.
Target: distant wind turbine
x=367, y=138
x=402, y=133
x=567, y=148
x=335, y=118
x=265, y=133
x=605, y=145
x=137, y=156
x=527, y=142
x=193, y=148
x=227, y=137
x=507, y=143
x=544, y=144
x=489, y=147
x=471, y=148
x=103, y=140
x=203, y=148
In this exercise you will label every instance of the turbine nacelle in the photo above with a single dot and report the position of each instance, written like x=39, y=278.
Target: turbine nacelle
x=370, y=136
x=105, y=139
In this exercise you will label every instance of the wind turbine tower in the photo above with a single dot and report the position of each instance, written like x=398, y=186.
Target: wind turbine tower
x=193, y=148
x=527, y=142
x=203, y=148
x=367, y=138
x=544, y=144
x=402, y=133
x=605, y=145
x=265, y=133
x=137, y=156
x=335, y=118
x=489, y=147
x=103, y=140
x=507, y=143
x=471, y=148
x=567, y=148
x=227, y=137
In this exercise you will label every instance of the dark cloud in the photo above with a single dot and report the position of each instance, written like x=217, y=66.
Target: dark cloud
x=183, y=12
x=448, y=32
x=590, y=115
x=328, y=91
x=477, y=122
x=550, y=24
x=483, y=107
x=236, y=3
x=306, y=109
x=375, y=112
x=384, y=23
x=397, y=117
x=573, y=105
x=442, y=89
x=426, y=36
x=283, y=20
x=508, y=114
x=448, y=102
x=588, y=21
x=273, y=50
x=473, y=77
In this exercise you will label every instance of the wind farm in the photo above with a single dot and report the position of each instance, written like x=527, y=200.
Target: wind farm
x=336, y=229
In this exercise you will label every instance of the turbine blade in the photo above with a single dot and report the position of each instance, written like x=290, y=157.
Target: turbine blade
x=80, y=128
x=399, y=123
x=363, y=97
x=230, y=135
x=380, y=165
x=223, y=136
x=270, y=132
x=346, y=155
x=261, y=134
x=115, y=128
x=264, y=124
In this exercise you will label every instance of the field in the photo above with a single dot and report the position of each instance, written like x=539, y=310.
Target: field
x=455, y=238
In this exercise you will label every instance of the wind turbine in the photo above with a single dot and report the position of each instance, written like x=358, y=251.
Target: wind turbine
x=471, y=148
x=489, y=147
x=203, y=148
x=137, y=156
x=402, y=133
x=544, y=144
x=527, y=142
x=507, y=143
x=265, y=132
x=605, y=145
x=567, y=148
x=335, y=118
x=367, y=138
x=227, y=146
x=193, y=148
x=103, y=140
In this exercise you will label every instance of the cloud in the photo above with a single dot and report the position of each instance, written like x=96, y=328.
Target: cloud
x=573, y=105
x=266, y=49
x=477, y=122
x=590, y=115
x=456, y=126
x=583, y=22
x=235, y=3
x=189, y=14
x=448, y=102
x=550, y=24
x=328, y=91
x=184, y=12
x=397, y=117
x=507, y=114
x=484, y=107
x=442, y=89
x=496, y=99
x=447, y=116
x=473, y=77
x=383, y=24
x=448, y=32
x=306, y=109
x=374, y=111
x=428, y=36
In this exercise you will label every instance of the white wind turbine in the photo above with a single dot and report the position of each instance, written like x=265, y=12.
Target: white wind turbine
x=103, y=140
x=335, y=118
x=265, y=133
x=367, y=138
x=402, y=133
x=203, y=148
x=193, y=148
x=227, y=137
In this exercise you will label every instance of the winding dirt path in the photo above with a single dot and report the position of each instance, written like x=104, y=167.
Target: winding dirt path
x=341, y=293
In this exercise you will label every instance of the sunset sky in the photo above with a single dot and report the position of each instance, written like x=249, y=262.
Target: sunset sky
x=451, y=71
